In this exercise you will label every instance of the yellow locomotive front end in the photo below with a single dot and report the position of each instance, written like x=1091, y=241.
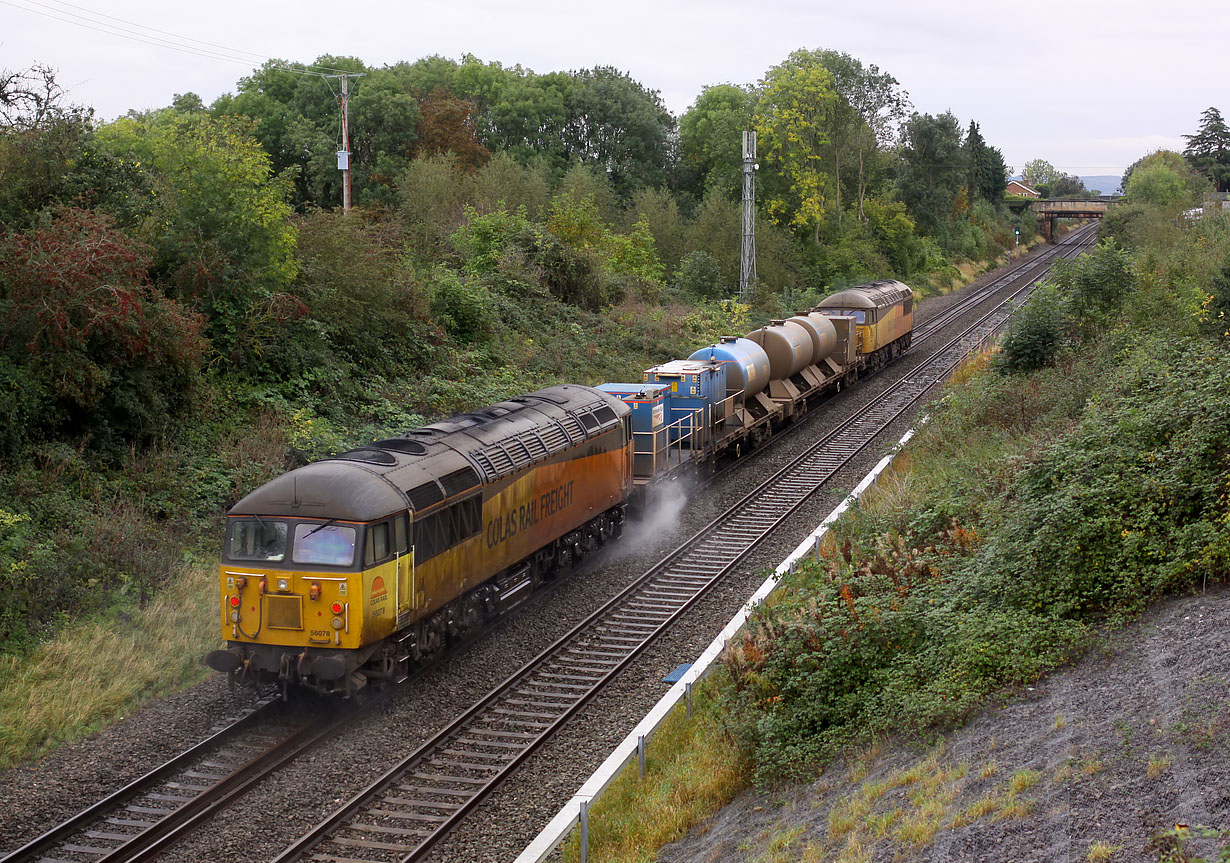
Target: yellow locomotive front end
x=308, y=599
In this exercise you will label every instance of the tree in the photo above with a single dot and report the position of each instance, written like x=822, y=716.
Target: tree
x=987, y=172
x=711, y=137
x=1157, y=182
x=529, y=118
x=619, y=127
x=433, y=192
x=796, y=97
x=1067, y=186
x=216, y=217
x=111, y=354
x=1208, y=151
x=447, y=126
x=29, y=98
x=933, y=170
x=1038, y=171
x=874, y=107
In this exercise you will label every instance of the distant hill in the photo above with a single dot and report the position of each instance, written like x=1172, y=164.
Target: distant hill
x=1105, y=183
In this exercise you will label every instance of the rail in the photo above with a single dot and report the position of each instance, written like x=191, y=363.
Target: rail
x=424, y=797
x=575, y=813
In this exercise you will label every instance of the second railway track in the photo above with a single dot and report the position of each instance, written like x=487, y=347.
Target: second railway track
x=428, y=794
x=404, y=813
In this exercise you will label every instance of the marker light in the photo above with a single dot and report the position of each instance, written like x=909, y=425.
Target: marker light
x=338, y=623
x=234, y=602
x=337, y=608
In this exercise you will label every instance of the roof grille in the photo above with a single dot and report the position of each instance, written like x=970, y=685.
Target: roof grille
x=459, y=481
x=573, y=427
x=553, y=437
x=588, y=420
x=604, y=414
x=425, y=495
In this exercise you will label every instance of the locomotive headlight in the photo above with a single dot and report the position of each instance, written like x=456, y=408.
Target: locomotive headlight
x=338, y=623
x=283, y=584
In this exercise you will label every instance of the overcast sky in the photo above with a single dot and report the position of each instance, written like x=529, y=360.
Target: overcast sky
x=1088, y=86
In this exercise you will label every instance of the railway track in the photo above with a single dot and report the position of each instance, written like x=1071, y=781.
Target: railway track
x=145, y=817
x=405, y=812
x=1080, y=237
x=402, y=815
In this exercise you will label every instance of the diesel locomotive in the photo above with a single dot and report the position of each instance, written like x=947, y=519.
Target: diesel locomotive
x=356, y=568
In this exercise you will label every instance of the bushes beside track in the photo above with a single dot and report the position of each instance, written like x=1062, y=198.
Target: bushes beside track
x=1037, y=508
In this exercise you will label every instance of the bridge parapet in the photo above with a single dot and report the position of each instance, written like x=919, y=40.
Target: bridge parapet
x=1074, y=209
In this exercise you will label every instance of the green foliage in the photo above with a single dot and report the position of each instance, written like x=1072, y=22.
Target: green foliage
x=483, y=239
x=1208, y=151
x=1159, y=185
x=710, y=138
x=461, y=305
x=216, y=219
x=790, y=125
x=1038, y=172
x=104, y=350
x=700, y=276
x=987, y=172
x=364, y=303
x=433, y=194
x=1081, y=297
x=1037, y=507
x=933, y=169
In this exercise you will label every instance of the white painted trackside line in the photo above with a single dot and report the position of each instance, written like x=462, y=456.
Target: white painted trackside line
x=567, y=818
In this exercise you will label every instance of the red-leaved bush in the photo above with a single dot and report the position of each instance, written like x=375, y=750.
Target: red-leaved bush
x=80, y=315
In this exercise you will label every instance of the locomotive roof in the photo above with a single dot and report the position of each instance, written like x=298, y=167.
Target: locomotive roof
x=428, y=465
x=873, y=295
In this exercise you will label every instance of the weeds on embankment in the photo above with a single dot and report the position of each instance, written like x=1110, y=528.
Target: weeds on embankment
x=1055, y=492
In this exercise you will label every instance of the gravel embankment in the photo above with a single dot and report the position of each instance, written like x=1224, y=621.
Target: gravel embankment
x=1129, y=742
x=36, y=796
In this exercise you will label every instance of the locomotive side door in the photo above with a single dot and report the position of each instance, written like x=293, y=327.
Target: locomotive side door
x=405, y=566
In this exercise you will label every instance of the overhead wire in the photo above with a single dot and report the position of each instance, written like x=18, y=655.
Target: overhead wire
x=92, y=23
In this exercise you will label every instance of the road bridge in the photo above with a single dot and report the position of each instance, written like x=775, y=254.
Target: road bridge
x=1047, y=210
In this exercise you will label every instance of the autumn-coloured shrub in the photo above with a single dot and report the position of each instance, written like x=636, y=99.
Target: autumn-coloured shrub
x=79, y=315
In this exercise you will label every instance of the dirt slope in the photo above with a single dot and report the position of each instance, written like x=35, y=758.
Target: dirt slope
x=1086, y=765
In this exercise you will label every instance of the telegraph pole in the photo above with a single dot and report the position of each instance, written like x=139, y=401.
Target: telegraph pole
x=747, y=255
x=343, y=155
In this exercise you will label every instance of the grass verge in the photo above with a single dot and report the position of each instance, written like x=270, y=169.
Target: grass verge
x=692, y=769
x=94, y=673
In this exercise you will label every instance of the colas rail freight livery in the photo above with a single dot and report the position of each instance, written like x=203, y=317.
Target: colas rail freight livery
x=358, y=567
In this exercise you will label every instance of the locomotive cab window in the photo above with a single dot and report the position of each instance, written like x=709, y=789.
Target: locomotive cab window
x=377, y=549
x=257, y=539
x=324, y=543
